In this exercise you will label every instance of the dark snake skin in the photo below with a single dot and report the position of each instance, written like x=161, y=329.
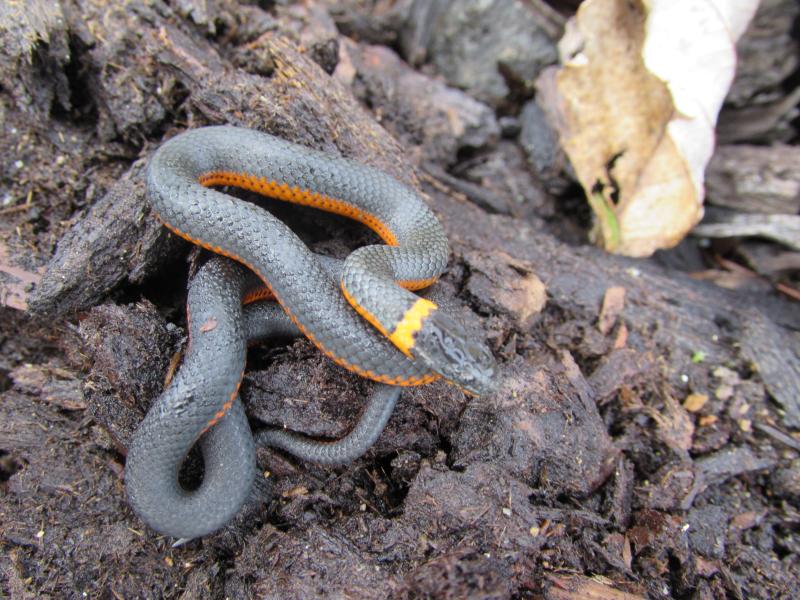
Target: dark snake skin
x=203, y=396
x=254, y=237
x=219, y=327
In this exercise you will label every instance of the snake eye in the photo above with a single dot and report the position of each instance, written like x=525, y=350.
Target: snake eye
x=444, y=346
x=458, y=356
x=452, y=349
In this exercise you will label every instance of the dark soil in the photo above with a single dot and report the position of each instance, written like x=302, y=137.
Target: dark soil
x=644, y=441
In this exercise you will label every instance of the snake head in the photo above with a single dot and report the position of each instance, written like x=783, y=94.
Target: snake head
x=444, y=346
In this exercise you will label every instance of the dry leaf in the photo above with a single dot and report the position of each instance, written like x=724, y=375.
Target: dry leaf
x=637, y=99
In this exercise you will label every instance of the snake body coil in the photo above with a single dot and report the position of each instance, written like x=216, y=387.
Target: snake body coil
x=368, y=321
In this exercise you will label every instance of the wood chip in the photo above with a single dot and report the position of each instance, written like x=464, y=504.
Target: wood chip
x=675, y=427
x=578, y=587
x=774, y=352
x=707, y=420
x=613, y=303
x=622, y=337
x=299, y=490
x=746, y=520
x=15, y=284
x=767, y=258
x=694, y=402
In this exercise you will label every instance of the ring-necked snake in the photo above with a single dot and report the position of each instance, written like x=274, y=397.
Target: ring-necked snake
x=368, y=321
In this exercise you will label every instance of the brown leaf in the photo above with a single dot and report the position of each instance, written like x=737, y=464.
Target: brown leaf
x=616, y=114
x=635, y=109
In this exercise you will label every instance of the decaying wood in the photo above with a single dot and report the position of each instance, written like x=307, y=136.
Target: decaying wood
x=766, y=54
x=756, y=179
x=297, y=100
x=586, y=461
x=575, y=587
x=765, y=258
x=758, y=122
x=781, y=228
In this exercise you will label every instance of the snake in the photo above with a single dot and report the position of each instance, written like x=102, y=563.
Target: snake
x=363, y=315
